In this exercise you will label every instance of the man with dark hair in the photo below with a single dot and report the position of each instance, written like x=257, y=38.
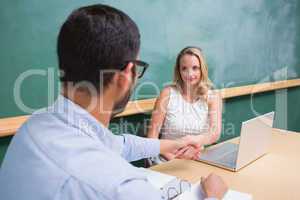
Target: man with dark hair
x=66, y=151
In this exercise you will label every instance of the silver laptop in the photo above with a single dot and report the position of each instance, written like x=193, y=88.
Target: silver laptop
x=255, y=139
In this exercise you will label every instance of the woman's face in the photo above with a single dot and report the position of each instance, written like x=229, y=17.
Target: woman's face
x=190, y=70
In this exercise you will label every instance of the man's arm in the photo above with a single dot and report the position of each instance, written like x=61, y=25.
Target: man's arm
x=135, y=147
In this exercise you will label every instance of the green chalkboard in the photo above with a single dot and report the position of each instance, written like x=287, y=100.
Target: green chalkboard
x=245, y=42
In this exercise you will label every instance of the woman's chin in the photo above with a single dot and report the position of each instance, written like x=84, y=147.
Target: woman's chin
x=191, y=83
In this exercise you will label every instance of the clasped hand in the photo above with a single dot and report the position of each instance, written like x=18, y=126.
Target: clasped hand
x=184, y=148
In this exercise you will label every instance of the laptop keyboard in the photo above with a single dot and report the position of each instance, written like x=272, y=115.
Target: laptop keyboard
x=228, y=160
x=225, y=155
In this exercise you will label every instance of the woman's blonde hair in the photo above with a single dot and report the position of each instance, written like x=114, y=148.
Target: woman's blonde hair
x=204, y=84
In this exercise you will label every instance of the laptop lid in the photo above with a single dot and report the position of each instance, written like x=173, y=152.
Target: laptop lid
x=255, y=139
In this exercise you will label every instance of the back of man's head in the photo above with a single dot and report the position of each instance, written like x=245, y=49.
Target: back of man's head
x=95, y=39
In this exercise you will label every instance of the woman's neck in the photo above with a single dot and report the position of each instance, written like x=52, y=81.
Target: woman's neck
x=189, y=93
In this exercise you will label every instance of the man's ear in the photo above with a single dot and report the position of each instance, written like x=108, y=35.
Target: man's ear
x=125, y=77
x=128, y=70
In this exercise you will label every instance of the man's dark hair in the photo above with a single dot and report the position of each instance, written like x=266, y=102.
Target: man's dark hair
x=94, y=39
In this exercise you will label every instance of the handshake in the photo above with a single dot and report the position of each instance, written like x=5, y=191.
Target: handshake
x=188, y=147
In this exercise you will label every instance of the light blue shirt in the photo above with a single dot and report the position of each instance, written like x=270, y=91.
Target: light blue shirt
x=64, y=153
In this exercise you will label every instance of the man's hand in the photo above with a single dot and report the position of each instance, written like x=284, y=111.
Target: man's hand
x=199, y=140
x=214, y=186
x=168, y=156
x=170, y=146
x=176, y=147
x=189, y=153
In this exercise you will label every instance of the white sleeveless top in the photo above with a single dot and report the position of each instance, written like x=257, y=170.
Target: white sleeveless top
x=184, y=118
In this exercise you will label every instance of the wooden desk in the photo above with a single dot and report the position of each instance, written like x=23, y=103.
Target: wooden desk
x=275, y=176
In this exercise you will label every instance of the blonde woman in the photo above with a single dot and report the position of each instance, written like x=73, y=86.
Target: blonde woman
x=188, y=108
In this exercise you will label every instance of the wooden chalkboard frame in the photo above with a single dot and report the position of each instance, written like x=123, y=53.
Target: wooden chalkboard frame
x=9, y=126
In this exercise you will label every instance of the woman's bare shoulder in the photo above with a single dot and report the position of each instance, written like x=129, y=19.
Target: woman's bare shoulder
x=165, y=92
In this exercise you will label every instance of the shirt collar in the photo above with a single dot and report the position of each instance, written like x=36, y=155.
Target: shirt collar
x=78, y=117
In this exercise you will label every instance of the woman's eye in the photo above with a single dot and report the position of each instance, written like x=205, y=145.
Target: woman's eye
x=183, y=68
x=195, y=67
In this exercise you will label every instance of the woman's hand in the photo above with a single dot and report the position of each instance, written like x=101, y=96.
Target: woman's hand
x=191, y=152
x=188, y=153
x=198, y=140
x=177, y=147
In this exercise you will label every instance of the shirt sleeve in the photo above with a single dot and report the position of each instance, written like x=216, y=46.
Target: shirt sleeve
x=74, y=189
x=136, y=148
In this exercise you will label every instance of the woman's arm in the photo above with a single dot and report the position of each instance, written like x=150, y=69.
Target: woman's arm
x=158, y=117
x=159, y=113
x=215, y=105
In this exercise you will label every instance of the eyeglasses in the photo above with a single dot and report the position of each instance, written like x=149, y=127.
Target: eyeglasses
x=140, y=67
x=175, y=188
